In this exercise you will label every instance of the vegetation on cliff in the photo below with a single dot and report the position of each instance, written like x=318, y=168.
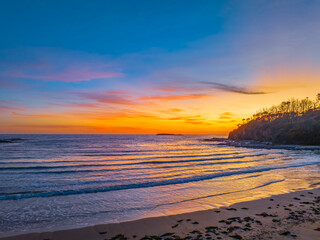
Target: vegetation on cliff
x=291, y=122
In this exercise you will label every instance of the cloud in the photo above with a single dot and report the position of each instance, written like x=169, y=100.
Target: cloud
x=51, y=128
x=222, y=121
x=75, y=105
x=117, y=92
x=9, y=84
x=172, y=110
x=32, y=115
x=227, y=115
x=167, y=89
x=234, y=89
x=173, y=97
x=51, y=64
x=109, y=98
x=9, y=108
x=70, y=74
x=195, y=87
x=195, y=119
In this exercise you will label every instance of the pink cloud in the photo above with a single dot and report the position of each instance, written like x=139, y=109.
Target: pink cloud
x=71, y=74
x=168, y=89
x=58, y=65
x=110, y=98
x=75, y=105
x=173, y=97
x=32, y=115
x=117, y=92
x=8, y=108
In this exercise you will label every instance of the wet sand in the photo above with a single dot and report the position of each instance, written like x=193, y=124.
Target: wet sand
x=288, y=216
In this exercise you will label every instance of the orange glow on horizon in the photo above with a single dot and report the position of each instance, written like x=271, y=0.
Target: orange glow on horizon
x=192, y=113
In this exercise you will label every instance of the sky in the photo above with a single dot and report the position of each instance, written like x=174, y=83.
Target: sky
x=190, y=67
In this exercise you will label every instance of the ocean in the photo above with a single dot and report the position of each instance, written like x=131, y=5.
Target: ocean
x=52, y=182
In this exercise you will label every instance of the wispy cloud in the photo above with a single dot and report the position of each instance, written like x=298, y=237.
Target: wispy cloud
x=32, y=115
x=172, y=110
x=109, y=97
x=50, y=64
x=175, y=97
x=70, y=74
x=195, y=119
x=9, y=108
x=197, y=87
x=230, y=88
x=167, y=89
x=227, y=115
x=75, y=105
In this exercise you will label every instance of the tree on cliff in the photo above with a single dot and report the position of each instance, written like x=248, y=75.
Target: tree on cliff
x=291, y=122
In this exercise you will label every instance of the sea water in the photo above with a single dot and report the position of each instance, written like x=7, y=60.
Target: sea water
x=52, y=182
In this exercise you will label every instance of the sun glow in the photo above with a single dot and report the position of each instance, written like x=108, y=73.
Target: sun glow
x=216, y=112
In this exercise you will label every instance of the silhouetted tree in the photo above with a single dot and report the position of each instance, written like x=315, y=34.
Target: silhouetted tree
x=291, y=122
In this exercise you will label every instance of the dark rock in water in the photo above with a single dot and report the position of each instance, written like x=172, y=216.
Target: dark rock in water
x=215, y=139
x=15, y=139
x=265, y=145
x=10, y=140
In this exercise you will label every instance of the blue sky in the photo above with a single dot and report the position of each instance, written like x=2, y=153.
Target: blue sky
x=146, y=56
x=109, y=27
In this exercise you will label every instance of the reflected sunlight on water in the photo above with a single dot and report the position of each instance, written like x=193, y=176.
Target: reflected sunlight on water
x=63, y=181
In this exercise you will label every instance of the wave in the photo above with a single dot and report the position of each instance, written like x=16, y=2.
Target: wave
x=141, y=152
x=214, y=161
x=137, y=157
x=225, y=193
x=145, y=207
x=154, y=184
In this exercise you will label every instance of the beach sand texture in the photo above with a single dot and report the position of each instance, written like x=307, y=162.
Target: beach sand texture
x=293, y=215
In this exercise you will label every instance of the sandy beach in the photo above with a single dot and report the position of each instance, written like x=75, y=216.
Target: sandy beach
x=293, y=215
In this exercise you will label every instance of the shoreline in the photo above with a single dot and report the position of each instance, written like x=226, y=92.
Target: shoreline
x=261, y=145
x=294, y=215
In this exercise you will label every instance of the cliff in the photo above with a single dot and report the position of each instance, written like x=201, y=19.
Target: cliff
x=283, y=127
